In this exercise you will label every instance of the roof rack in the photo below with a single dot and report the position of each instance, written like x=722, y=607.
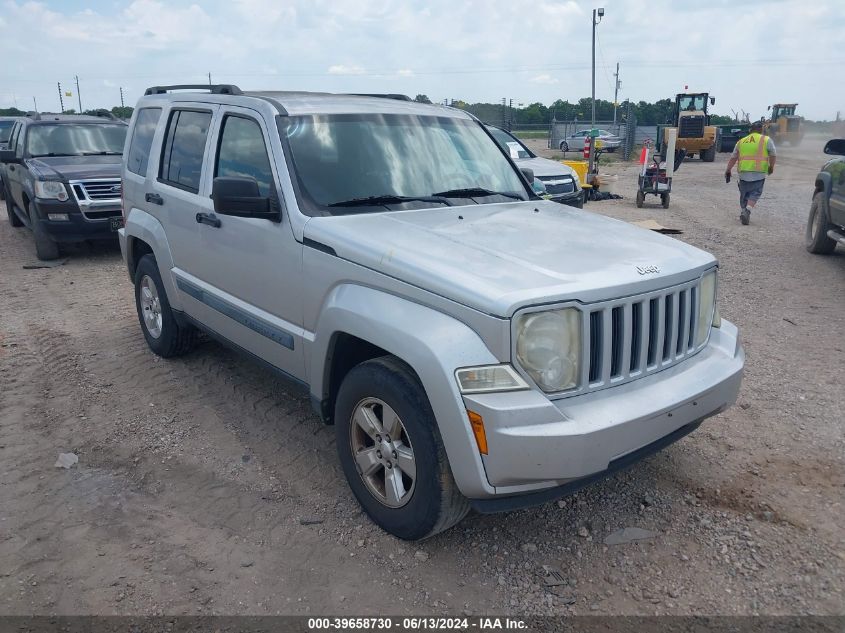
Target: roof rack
x=396, y=97
x=215, y=89
x=32, y=114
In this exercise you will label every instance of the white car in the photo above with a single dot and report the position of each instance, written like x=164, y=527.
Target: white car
x=575, y=142
x=559, y=181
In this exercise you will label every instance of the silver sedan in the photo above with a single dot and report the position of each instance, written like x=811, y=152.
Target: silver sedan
x=575, y=142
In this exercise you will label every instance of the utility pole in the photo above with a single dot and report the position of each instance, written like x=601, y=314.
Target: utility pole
x=121, y=96
x=61, y=100
x=600, y=14
x=78, y=96
x=616, y=93
x=34, y=103
x=504, y=114
x=209, y=79
x=510, y=115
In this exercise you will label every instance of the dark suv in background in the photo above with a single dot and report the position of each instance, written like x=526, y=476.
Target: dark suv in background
x=826, y=224
x=62, y=178
x=7, y=124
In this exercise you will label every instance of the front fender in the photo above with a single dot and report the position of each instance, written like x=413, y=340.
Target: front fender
x=432, y=343
x=824, y=183
x=145, y=227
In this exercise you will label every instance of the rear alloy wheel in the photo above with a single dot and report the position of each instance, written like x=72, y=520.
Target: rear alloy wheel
x=165, y=336
x=564, y=146
x=816, y=239
x=391, y=452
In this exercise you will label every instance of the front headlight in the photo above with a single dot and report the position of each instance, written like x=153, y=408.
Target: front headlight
x=548, y=347
x=706, y=307
x=50, y=190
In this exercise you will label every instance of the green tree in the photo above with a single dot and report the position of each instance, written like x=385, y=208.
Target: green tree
x=11, y=112
x=422, y=99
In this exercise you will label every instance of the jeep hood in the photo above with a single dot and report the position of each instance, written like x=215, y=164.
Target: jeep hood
x=497, y=258
x=75, y=167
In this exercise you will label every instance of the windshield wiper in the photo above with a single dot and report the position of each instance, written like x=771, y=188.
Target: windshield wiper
x=53, y=154
x=475, y=192
x=387, y=199
x=103, y=153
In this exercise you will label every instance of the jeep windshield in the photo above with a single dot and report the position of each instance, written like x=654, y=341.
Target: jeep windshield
x=75, y=139
x=365, y=163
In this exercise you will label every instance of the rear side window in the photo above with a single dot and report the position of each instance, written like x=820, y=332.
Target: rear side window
x=142, y=140
x=243, y=154
x=184, y=146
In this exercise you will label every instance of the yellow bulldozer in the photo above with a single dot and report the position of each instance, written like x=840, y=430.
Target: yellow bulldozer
x=690, y=118
x=784, y=125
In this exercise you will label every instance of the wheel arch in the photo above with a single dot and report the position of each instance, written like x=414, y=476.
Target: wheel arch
x=823, y=183
x=145, y=235
x=358, y=323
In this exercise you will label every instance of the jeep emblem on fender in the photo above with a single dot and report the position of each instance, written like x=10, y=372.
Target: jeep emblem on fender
x=648, y=270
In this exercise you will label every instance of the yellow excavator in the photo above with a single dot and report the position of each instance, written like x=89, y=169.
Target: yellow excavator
x=784, y=125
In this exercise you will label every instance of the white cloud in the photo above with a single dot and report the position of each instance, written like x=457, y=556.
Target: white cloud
x=477, y=50
x=343, y=69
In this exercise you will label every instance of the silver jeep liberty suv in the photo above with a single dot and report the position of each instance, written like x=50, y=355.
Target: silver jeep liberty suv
x=473, y=345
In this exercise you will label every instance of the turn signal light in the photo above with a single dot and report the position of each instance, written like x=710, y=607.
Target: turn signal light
x=477, y=424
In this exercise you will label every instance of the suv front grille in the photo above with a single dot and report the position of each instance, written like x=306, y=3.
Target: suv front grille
x=98, y=199
x=630, y=338
x=634, y=337
x=558, y=184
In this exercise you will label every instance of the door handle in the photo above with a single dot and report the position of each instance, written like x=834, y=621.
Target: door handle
x=209, y=219
x=154, y=198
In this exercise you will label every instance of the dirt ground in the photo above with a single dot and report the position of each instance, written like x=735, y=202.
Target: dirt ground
x=204, y=485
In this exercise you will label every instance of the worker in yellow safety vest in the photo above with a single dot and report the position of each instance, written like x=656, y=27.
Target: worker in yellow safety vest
x=756, y=155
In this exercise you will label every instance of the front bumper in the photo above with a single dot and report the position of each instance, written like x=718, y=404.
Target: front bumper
x=536, y=444
x=573, y=199
x=77, y=228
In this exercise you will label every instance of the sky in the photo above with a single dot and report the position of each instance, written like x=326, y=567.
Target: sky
x=747, y=54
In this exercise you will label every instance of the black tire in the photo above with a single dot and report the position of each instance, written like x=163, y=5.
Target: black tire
x=46, y=247
x=174, y=339
x=14, y=220
x=816, y=240
x=640, y=199
x=435, y=503
x=564, y=146
x=709, y=155
x=664, y=198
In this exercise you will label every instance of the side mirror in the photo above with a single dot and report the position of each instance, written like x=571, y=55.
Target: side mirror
x=528, y=173
x=712, y=100
x=8, y=156
x=835, y=147
x=241, y=198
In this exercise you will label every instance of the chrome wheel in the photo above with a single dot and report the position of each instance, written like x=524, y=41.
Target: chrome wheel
x=150, y=306
x=383, y=453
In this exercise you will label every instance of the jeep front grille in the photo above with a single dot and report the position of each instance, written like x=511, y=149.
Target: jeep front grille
x=631, y=338
x=98, y=199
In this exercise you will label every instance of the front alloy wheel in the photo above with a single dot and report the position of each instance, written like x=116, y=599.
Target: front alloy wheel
x=383, y=453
